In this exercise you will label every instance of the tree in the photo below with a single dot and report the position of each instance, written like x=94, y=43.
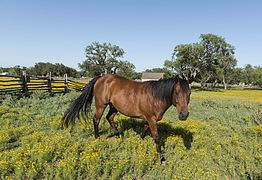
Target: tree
x=127, y=69
x=211, y=59
x=219, y=54
x=170, y=65
x=236, y=76
x=185, y=60
x=101, y=59
x=17, y=70
x=249, y=74
x=258, y=76
x=43, y=69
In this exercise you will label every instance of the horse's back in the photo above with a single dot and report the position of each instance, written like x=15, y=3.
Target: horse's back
x=110, y=84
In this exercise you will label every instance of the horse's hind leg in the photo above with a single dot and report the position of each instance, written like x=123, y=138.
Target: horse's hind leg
x=110, y=118
x=144, y=130
x=99, y=112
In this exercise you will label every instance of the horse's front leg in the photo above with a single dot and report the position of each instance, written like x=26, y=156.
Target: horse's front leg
x=153, y=128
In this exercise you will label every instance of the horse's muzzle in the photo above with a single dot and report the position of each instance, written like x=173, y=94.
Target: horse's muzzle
x=183, y=115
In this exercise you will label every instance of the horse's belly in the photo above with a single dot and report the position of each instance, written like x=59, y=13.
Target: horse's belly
x=128, y=108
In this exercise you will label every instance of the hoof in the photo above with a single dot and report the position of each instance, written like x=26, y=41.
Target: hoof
x=162, y=159
x=97, y=136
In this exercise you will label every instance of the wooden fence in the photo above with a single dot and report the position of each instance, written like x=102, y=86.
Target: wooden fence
x=25, y=85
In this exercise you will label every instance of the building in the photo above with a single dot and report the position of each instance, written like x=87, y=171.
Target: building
x=152, y=76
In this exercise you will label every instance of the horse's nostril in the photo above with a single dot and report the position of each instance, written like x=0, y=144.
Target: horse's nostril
x=183, y=115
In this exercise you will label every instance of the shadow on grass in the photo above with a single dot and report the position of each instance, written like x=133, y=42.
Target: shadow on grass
x=165, y=130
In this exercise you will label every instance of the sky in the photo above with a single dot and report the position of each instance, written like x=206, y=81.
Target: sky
x=58, y=31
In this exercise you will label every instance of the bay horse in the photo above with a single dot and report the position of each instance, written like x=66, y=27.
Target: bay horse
x=146, y=100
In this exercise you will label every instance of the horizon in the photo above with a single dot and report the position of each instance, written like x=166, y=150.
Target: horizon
x=148, y=31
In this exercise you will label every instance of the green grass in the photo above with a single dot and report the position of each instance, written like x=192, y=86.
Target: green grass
x=220, y=140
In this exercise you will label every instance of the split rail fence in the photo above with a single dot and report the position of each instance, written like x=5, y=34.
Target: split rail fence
x=25, y=85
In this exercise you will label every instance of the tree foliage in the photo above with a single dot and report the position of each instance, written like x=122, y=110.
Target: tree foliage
x=127, y=69
x=212, y=59
x=105, y=58
x=220, y=56
x=57, y=69
x=101, y=58
x=42, y=69
x=252, y=75
x=185, y=59
x=16, y=70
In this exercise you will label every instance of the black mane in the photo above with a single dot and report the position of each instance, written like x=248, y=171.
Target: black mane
x=163, y=89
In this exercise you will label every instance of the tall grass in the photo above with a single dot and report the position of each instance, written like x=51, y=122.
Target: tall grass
x=220, y=140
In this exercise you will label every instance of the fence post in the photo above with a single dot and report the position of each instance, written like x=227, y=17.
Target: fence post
x=24, y=84
x=65, y=84
x=49, y=83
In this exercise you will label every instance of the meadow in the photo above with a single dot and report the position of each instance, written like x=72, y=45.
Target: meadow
x=220, y=140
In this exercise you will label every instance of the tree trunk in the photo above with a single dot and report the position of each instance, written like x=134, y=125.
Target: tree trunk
x=224, y=82
x=214, y=83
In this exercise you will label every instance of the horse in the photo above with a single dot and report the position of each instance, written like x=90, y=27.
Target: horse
x=147, y=100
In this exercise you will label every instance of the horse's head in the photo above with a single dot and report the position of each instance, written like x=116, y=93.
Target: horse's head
x=181, y=97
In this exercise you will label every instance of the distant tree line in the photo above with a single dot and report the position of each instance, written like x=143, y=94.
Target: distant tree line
x=211, y=60
x=42, y=69
x=247, y=75
x=251, y=75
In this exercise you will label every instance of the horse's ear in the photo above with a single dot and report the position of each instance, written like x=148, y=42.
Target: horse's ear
x=181, y=76
x=191, y=78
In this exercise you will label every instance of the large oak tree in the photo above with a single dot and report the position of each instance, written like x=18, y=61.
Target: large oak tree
x=212, y=59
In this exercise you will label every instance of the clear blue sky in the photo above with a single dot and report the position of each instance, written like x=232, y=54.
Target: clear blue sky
x=58, y=31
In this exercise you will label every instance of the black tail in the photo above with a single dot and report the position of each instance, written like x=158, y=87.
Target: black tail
x=81, y=106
